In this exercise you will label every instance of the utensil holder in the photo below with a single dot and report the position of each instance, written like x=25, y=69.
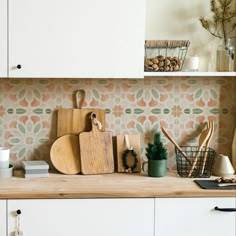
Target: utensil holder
x=184, y=167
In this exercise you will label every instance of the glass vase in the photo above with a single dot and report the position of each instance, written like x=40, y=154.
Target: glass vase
x=225, y=57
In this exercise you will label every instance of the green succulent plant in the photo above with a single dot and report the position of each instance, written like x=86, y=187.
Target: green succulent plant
x=156, y=150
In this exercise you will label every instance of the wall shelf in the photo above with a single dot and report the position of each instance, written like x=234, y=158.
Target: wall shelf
x=189, y=74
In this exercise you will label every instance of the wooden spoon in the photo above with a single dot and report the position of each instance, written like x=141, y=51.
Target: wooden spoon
x=176, y=145
x=211, y=126
x=202, y=141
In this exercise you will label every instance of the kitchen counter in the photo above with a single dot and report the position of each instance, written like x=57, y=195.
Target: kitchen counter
x=117, y=185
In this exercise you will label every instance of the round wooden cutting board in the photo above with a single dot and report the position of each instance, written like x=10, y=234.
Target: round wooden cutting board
x=65, y=155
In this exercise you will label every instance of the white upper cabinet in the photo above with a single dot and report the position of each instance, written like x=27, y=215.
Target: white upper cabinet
x=76, y=39
x=3, y=38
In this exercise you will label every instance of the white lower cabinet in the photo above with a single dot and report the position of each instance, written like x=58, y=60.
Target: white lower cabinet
x=3, y=221
x=195, y=216
x=116, y=217
x=85, y=217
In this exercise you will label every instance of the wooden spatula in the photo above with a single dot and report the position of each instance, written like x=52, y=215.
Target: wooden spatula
x=96, y=150
x=210, y=126
x=203, y=139
x=176, y=145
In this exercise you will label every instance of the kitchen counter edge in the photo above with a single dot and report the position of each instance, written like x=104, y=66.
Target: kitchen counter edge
x=116, y=185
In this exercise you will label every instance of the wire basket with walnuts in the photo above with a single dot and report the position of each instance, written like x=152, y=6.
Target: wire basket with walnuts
x=165, y=55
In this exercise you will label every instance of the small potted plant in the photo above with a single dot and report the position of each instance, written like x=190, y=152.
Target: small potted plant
x=156, y=154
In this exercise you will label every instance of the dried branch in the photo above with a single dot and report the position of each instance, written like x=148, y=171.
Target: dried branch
x=222, y=23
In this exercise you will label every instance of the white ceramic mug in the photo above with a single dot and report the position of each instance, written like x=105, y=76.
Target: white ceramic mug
x=4, y=157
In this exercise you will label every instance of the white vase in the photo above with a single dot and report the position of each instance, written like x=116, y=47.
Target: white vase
x=222, y=166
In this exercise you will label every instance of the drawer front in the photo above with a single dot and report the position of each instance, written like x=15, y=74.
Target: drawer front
x=86, y=217
x=195, y=216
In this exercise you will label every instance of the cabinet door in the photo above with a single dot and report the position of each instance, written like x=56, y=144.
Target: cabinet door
x=3, y=221
x=76, y=38
x=194, y=216
x=3, y=38
x=86, y=217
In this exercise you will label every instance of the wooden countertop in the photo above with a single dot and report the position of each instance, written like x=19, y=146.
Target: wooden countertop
x=117, y=185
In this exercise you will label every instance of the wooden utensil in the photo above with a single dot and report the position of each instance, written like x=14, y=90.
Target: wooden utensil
x=210, y=125
x=74, y=121
x=96, y=151
x=64, y=154
x=204, y=132
x=204, y=137
x=176, y=145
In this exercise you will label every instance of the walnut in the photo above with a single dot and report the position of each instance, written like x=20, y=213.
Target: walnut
x=176, y=68
x=161, y=63
x=160, y=58
x=149, y=62
x=155, y=60
x=167, y=68
x=154, y=66
x=173, y=63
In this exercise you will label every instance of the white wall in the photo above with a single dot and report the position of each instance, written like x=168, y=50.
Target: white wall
x=179, y=19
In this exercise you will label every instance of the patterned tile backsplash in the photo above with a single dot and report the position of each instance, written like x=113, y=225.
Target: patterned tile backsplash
x=180, y=104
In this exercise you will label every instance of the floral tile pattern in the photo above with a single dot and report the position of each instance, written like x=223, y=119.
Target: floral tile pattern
x=181, y=105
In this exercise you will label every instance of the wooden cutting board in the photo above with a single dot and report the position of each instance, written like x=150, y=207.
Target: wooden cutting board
x=121, y=147
x=96, y=150
x=64, y=154
x=76, y=120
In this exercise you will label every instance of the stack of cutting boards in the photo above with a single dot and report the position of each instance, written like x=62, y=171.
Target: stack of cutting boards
x=82, y=146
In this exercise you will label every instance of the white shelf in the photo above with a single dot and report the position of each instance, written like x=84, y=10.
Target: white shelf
x=174, y=74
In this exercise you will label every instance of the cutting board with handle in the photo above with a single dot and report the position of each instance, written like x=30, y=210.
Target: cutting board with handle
x=96, y=150
x=75, y=120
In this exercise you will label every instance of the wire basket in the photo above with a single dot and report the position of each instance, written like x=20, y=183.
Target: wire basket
x=165, y=55
x=203, y=167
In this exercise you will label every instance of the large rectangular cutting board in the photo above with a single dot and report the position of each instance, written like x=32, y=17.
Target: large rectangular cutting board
x=74, y=121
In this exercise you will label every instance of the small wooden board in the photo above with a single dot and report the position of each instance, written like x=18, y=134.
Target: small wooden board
x=64, y=154
x=134, y=141
x=96, y=151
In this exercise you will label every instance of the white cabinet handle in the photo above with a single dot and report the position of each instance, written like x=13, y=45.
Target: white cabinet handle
x=18, y=230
